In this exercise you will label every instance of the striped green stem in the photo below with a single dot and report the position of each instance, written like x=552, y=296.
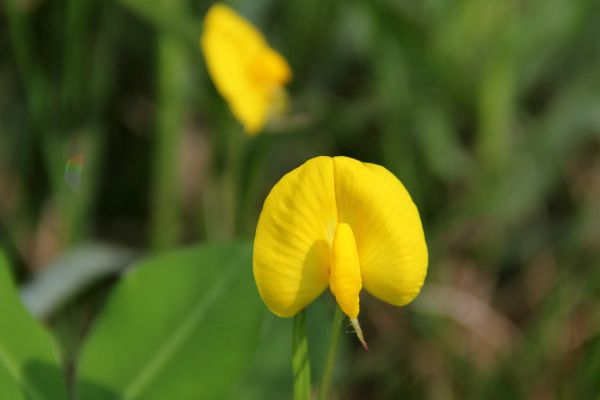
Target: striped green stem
x=300, y=359
x=336, y=326
x=172, y=88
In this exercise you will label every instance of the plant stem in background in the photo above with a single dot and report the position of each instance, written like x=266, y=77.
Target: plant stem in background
x=251, y=168
x=220, y=201
x=172, y=81
x=171, y=19
x=330, y=362
x=300, y=359
x=84, y=95
x=496, y=114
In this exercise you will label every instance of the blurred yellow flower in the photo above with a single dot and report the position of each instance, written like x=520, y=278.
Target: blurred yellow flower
x=340, y=223
x=247, y=72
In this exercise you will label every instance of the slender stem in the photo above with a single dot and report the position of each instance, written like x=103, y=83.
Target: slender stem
x=167, y=19
x=300, y=360
x=172, y=88
x=79, y=101
x=249, y=170
x=220, y=206
x=336, y=326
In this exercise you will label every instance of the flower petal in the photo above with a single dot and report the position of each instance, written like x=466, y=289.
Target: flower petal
x=387, y=229
x=294, y=236
x=345, y=271
x=231, y=45
x=246, y=71
x=271, y=68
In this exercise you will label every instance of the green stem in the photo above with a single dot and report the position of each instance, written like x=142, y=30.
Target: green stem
x=336, y=326
x=220, y=200
x=300, y=360
x=173, y=20
x=172, y=88
x=85, y=93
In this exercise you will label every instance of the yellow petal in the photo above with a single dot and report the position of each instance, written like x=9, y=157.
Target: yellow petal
x=271, y=68
x=244, y=69
x=387, y=229
x=345, y=279
x=299, y=247
x=294, y=237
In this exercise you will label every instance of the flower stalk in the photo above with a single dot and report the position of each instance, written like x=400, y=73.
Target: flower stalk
x=172, y=83
x=336, y=327
x=300, y=359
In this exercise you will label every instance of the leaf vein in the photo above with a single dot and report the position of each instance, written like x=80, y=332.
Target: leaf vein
x=174, y=342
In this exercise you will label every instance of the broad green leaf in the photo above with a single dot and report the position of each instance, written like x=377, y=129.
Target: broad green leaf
x=270, y=375
x=29, y=367
x=183, y=325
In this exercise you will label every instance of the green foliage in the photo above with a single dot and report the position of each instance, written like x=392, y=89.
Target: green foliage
x=270, y=369
x=179, y=325
x=188, y=334
x=29, y=368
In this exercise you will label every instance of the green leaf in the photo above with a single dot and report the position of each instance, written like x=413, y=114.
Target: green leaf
x=270, y=374
x=183, y=325
x=29, y=367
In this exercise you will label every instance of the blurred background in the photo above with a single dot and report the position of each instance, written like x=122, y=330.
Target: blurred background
x=112, y=134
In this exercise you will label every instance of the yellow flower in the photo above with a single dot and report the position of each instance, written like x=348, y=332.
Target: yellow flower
x=340, y=223
x=247, y=72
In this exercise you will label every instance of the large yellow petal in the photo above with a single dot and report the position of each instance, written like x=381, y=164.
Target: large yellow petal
x=294, y=237
x=387, y=229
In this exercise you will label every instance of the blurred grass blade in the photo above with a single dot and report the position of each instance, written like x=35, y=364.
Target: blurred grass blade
x=181, y=325
x=29, y=368
x=30, y=70
x=173, y=82
x=55, y=284
x=166, y=18
x=493, y=327
x=300, y=359
x=36, y=84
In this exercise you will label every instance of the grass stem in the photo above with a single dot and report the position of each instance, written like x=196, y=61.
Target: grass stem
x=173, y=68
x=336, y=326
x=300, y=359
